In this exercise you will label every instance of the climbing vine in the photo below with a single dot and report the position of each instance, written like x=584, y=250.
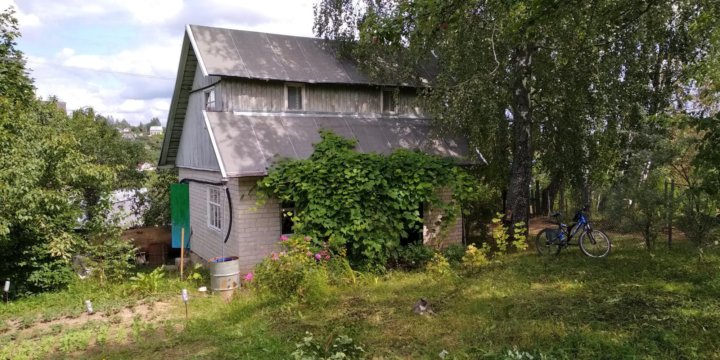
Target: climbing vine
x=364, y=203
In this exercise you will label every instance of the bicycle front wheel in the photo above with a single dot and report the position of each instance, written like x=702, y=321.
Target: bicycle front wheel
x=595, y=244
x=546, y=242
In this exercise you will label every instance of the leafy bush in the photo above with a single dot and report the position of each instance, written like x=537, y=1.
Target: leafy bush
x=147, y=283
x=342, y=347
x=454, y=254
x=475, y=259
x=198, y=275
x=110, y=257
x=438, y=265
x=299, y=271
x=365, y=202
x=155, y=203
x=412, y=257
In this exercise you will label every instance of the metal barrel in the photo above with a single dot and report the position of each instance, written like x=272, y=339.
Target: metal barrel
x=225, y=275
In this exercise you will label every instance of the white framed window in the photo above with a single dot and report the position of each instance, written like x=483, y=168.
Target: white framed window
x=210, y=99
x=388, y=100
x=294, y=97
x=215, y=208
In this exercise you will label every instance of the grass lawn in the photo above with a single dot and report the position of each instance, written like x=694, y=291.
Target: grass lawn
x=634, y=304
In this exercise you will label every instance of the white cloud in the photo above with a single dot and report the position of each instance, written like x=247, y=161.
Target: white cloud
x=24, y=19
x=126, y=75
x=155, y=11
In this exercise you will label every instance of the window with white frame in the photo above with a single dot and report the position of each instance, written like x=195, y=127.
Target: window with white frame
x=215, y=208
x=210, y=100
x=389, y=100
x=294, y=96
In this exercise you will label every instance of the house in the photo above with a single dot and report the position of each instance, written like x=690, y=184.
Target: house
x=243, y=100
x=155, y=130
x=127, y=134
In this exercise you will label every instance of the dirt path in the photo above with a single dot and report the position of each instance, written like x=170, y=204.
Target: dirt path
x=123, y=318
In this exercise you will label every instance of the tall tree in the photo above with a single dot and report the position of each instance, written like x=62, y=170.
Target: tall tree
x=571, y=72
x=15, y=84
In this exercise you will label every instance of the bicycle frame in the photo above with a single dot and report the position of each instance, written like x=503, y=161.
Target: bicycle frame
x=582, y=223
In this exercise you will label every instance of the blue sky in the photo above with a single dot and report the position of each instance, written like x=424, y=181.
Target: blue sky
x=121, y=57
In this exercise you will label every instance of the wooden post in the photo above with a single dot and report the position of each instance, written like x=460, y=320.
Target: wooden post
x=182, y=252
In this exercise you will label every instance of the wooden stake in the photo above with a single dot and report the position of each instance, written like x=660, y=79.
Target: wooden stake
x=182, y=251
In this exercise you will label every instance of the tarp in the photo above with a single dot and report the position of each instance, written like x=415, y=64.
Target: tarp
x=180, y=214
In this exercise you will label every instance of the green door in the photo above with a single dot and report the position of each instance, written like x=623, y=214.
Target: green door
x=180, y=213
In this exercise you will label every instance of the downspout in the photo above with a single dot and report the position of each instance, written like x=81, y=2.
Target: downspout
x=227, y=193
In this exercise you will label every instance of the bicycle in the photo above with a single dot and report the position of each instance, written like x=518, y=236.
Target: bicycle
x=593, y=243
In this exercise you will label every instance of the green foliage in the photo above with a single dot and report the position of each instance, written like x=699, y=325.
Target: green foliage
x=109, y=256
x=438, y=265
x=475, y=258
x=582, y=83
x=15, y=85
x=341, y=347
x=412, y=257
x=298, y=272
x=156, y=202
x=54, y=170
x=363, y=202
x=454, y=253
x=198, y=275
x=147, y=283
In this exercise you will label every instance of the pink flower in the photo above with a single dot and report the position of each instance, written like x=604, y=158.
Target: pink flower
x=249, y=276
x=274, y=256
x=309, y=253
x=307, y=238
x=318, y=256
x=283, y=238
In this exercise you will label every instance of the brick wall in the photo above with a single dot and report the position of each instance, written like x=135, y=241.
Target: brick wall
x=255, y=229
x=432, y=218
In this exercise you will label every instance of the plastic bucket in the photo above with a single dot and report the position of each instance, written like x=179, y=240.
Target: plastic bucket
x=225, y=275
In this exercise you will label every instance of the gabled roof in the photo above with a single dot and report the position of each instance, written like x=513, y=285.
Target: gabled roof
x=246, y=145
x=254, y=55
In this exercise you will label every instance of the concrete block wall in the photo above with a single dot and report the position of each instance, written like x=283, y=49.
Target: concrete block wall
x=432, y=220
x=255, y=229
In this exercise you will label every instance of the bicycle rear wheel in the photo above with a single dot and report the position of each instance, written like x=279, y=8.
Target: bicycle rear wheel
x=595, y=244
x=547, y=243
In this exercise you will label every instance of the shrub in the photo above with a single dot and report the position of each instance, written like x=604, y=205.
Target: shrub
x=299, y=271
x=438, y=265
x=343, y=347
x=147, y=284
x=413, y=256
x=110, y=257
x=474, y=258
x=454, y=254
x=366, y=202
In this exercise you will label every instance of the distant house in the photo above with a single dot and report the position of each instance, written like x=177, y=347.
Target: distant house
x=155, y=130
x=126, y=133
x=243, y=100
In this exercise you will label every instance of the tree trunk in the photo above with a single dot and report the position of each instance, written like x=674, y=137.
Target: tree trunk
x=521, y=170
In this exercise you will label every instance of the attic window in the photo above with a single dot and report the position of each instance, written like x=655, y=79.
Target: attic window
x=389, y=103
x=210, y=100
x=294, y=96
